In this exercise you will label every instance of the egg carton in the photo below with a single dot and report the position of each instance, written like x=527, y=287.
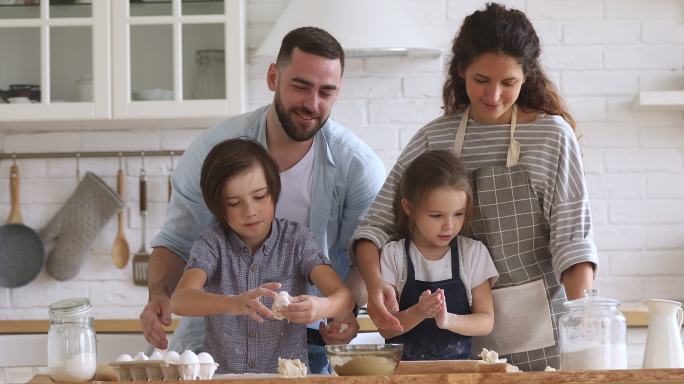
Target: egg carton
x=154, y=370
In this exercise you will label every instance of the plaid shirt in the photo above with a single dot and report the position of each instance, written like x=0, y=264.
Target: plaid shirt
x=238, y=343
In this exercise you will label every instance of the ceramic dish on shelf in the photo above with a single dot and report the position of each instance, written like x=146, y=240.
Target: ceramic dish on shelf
x=152, y=94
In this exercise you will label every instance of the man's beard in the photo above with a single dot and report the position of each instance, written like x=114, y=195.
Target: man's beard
x=289, y=126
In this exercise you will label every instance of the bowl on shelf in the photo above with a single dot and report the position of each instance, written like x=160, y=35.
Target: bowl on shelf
x=152, y=94
x=364, y=359
x=30, y=91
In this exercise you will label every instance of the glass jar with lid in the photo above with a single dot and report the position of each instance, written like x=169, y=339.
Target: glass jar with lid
x=210, y=75
x=592, y=334
x=72, y=345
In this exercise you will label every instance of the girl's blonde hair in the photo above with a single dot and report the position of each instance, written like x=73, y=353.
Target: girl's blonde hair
x=430, y=170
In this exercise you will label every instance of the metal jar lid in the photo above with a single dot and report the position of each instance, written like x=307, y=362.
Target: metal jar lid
x=70, y=307
x=592, y=299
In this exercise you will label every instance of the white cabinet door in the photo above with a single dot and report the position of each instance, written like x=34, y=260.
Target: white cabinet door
x=55, y=62
x=178, y=58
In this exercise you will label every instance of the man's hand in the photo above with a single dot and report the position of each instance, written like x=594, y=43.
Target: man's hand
x=382, y=302
x=164, y=270
x=154, y=316
x=333, y=332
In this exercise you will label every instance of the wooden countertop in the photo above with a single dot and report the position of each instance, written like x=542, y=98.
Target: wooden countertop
x=642, y=376
x=636, y=317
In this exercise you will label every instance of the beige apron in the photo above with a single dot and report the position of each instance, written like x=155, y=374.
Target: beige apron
x=528, y=299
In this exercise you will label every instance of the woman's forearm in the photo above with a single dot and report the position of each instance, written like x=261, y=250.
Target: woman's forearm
x=578, y=278
x=367, y=261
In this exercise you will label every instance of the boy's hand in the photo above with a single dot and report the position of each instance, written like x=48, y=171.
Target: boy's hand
x=429, y=304
x=305, y=309
x=249, y=304
x=442, y=316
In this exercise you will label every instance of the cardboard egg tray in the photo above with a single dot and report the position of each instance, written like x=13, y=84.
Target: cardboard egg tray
x=152, y=370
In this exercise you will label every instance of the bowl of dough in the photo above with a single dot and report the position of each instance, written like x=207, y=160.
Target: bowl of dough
x=364, y=359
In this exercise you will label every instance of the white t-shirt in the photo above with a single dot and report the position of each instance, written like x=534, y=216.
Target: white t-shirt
x=295, y=193
x=476, y=265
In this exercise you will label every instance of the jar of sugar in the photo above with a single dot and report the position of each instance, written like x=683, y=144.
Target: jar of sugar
x=592, y=334
x=72, y=345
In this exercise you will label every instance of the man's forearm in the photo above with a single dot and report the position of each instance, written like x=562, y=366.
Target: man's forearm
x=164, y=271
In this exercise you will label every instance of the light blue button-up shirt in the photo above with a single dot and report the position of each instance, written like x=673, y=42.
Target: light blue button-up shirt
x=347, y=176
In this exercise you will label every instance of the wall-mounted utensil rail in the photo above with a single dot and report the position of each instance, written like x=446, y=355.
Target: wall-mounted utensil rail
x=58, y=155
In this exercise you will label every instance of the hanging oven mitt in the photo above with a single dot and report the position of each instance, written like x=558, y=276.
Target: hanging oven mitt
x=71, y=232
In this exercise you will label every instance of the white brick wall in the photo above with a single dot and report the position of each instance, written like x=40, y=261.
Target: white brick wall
x=600, y=53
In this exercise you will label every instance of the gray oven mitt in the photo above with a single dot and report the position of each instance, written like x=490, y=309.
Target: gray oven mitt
x=71, y=232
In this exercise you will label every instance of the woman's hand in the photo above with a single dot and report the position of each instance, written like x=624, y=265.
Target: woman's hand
x=306, y=309
x=429, y=304
x=249, y=304
x=382, y=302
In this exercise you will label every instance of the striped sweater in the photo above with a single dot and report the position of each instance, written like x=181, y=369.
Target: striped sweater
x=550, y=154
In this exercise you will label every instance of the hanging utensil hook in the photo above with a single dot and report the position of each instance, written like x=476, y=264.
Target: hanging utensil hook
x=78, y=167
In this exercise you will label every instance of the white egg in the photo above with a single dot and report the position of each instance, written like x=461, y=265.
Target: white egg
x=205, y=357
x=188, y=357
x=141, y=356
x=157, y=355
x=171, y=357
x=124, y=357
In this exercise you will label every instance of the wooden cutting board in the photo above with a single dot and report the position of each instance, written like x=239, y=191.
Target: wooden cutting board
x=447, y=366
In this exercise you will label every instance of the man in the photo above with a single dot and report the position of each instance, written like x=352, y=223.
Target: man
x=329, y=179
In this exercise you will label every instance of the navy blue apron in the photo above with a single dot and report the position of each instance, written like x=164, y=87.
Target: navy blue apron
x=426, y=341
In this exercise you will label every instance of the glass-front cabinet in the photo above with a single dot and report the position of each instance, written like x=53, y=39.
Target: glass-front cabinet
x=121, y=59
x=54, y=60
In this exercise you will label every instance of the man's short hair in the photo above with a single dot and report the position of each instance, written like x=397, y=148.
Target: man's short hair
x=310, y=40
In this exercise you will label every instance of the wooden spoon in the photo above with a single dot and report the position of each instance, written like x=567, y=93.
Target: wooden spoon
x=15, y=213
x=120, y=249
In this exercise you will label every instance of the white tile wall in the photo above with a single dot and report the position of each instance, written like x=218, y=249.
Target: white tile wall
x=600, y=53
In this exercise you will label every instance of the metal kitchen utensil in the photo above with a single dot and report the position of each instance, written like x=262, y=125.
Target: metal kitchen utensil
x=141, y=258
x=22, y=253
x=170, y=188
x=120, y=250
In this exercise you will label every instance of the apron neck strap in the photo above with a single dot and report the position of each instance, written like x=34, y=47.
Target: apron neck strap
x=513, y=148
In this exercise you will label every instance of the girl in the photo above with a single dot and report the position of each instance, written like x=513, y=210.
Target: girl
x=442, y=280
x=505, y=120
x=245, y=256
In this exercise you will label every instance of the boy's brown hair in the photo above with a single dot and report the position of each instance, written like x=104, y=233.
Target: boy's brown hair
x=229, y=159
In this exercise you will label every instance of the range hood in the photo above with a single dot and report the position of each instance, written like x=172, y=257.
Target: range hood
x=364, y=28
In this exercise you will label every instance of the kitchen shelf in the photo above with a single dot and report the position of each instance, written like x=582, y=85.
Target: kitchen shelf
x=670, y=100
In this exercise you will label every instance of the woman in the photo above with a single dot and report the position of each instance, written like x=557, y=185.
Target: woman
x=508, y=124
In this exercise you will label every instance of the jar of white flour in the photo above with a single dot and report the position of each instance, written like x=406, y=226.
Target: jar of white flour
x=72, y=345
x=592, y=334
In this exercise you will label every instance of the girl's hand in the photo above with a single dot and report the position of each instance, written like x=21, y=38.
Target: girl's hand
x=429, y=304
x=442, y=316
x=249, y=304
x=305, y=309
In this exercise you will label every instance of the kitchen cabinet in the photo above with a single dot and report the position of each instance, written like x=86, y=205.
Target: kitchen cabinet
x=115, y=59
